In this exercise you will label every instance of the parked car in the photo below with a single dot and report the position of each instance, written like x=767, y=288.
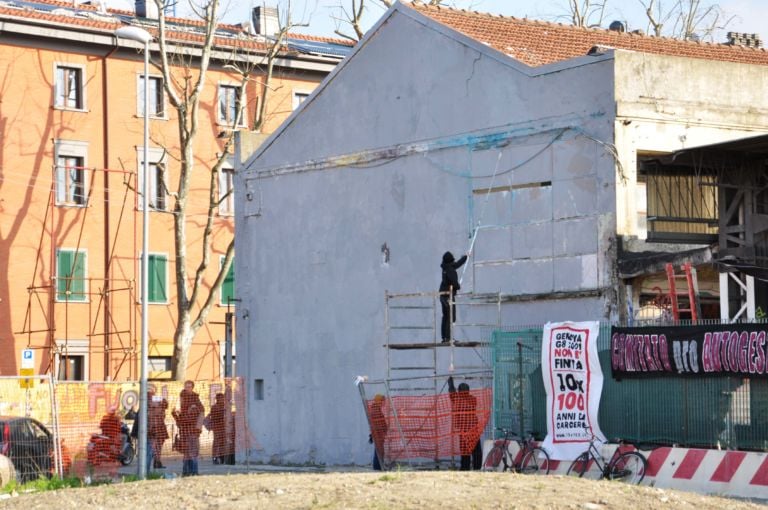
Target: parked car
x=29, y=445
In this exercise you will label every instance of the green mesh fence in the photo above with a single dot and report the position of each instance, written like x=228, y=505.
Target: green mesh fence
x=728, y=412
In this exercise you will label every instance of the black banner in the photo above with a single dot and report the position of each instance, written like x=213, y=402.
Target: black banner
x=730, y=349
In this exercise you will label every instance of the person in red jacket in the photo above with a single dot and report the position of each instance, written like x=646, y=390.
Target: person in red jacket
x=189, y=419
x=110, y=427
x=464, y=421
x=157, y=433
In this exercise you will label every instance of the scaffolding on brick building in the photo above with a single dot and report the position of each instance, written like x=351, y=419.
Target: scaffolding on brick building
x=47, y=295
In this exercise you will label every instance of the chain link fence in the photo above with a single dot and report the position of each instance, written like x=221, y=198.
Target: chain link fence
x=716, y=411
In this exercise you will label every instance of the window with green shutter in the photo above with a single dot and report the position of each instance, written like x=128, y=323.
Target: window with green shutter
x=70, y=275
x=228, y=285
x=158, y=278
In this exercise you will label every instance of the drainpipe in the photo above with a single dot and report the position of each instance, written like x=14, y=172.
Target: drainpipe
x=107, y=251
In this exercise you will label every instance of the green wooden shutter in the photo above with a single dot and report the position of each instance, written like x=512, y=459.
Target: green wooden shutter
x=228, y=286
x=157, y=279
x=64, y=271
x=71, y=276
x=78, y=277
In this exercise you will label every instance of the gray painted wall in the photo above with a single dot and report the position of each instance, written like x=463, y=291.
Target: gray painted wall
x=309, y=263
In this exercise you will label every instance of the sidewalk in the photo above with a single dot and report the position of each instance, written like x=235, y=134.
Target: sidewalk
x=173, y=468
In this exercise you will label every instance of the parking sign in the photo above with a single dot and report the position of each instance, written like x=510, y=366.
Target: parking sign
x=27, y=358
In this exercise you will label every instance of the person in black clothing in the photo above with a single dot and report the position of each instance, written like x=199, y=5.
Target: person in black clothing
x=464, y=422
x=448, y=288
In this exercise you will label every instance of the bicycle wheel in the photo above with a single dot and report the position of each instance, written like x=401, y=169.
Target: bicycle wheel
x=579, y=466
x=493, y=459
x=629, y=467
x=535, y=462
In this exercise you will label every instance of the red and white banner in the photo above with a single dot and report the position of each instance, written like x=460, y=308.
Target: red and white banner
x=573, y=381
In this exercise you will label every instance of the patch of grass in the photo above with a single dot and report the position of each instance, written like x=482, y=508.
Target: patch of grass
x=42, y=484
x=152, y=475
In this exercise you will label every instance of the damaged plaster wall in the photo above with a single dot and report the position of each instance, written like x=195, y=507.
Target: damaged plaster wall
x=665, y=104
x=400, y=148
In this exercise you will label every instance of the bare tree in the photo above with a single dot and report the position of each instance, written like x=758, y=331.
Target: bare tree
x=184, y=71
x=586, y=13
x=685, y=19
x=657, y=16
x=350, y=13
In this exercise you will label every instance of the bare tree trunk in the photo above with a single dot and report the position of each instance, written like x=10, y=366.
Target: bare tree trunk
x=184, y=78
x=688, y=19
x=586, y=13
x=351, y=15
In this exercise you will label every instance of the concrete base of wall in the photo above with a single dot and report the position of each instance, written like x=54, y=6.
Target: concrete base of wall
x=720, y=472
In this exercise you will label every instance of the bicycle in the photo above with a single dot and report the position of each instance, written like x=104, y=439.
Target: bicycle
x=627, y=467
x=530, y=459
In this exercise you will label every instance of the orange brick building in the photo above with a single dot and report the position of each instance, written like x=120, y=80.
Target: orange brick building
x=71, y=121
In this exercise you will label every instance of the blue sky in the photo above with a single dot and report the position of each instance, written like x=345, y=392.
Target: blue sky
x=751, y=15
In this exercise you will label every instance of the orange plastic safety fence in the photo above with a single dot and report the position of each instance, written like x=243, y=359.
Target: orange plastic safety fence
x=207, y=423
x=429, y=426
x=203, y=422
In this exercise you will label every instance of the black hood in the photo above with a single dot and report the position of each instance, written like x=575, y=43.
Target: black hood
x=448, y=258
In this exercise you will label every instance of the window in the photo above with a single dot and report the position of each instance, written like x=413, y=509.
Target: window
x=230, y=105
x=228, y=285
x=156, y=187
x=298, y=98
x=681, y=204
x=69, y=87
x=158, y=278
x=70, y=275
x=258, y=389
x=70, y=181
x=226, y=191
x=71, y=359
x=71, y=368
x=157, y=191
x=159, y=363
x=156, y=97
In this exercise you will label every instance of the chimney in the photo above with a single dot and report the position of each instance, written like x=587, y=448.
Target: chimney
x=265, y=21
x=146, y=9
x=747, y=40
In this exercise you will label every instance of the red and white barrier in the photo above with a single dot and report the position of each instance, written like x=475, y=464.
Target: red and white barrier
x=729, y=473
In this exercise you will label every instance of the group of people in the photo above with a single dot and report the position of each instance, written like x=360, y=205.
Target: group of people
x=463, y=423
x=190, y=419
x=463, y=403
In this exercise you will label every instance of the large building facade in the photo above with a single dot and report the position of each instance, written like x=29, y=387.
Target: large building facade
x=519, y=139
x=72, y=155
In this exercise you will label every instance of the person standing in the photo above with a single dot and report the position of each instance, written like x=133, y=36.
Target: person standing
x=218, y=419
x=464, y=421
x=135, y=432
x=189, y=419
x=379, y=429
x=157, y=433
x=449, y=286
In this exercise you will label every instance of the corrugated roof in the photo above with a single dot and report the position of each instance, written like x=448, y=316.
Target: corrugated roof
x=536, y=43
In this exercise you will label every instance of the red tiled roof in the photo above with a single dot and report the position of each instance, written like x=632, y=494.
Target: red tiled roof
x=104, y=23
x=537, y=43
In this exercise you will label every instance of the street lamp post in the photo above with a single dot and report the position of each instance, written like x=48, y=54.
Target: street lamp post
x=142, y=36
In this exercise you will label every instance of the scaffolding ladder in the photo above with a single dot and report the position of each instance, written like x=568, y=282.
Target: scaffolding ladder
x=413, y=344
x=691, y=293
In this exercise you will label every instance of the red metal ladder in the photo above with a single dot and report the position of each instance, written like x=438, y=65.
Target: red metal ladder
x=689, y=274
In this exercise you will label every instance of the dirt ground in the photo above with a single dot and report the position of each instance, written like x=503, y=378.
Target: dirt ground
x=395, y=490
